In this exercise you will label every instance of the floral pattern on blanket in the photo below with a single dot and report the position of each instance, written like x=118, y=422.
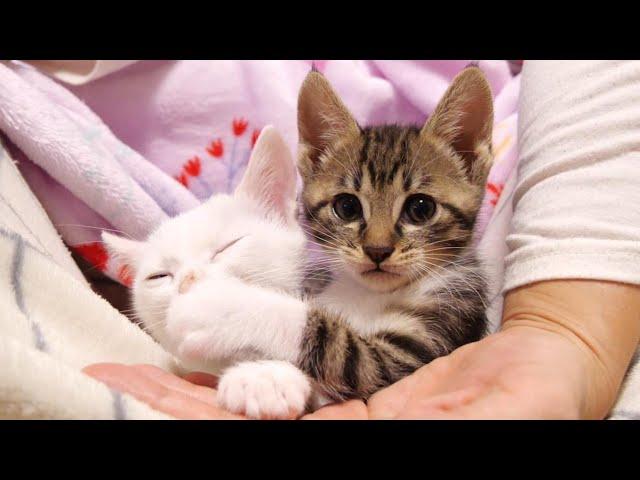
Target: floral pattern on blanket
x=195, y=171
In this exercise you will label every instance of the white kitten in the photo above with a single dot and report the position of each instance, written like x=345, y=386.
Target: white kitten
x=211, y=263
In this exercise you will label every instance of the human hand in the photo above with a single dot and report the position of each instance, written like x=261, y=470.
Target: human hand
x=519, y=373
x=190, y=398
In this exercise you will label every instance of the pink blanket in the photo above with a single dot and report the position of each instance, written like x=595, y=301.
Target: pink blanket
x=152, y=140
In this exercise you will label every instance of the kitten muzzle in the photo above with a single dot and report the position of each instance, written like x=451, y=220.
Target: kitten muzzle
x=187, y=282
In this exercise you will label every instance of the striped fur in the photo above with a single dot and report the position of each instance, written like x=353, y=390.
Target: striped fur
x=369, y=329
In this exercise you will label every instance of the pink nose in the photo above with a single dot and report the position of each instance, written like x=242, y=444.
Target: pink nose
x=187, y=282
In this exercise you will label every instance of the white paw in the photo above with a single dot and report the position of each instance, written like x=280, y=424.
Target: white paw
x=267, y=389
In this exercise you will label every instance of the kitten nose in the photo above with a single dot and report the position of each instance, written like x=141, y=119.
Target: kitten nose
x=379, y=254
x=187, y=281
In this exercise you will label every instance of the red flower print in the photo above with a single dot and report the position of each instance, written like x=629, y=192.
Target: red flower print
x=239, y=126
x=216, y=149
x=496, y=190
x=254, y=137
x=183, y=179
x=125, y=275
x=193, y=166
x=93, y=253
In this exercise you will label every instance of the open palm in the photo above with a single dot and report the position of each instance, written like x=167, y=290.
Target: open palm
x=520, y=372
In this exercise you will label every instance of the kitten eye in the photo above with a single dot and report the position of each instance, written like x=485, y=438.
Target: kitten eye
x=157, y=276
x=347, y=207
x=419, y=208
x=225, y=246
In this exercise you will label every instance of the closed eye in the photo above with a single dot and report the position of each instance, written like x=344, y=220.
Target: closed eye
x=159, y=275
x=225, y=246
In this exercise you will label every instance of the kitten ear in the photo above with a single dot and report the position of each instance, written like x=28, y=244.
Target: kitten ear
x=322, y=119
x=464, y=119
x=128, y=251
x=270, y=177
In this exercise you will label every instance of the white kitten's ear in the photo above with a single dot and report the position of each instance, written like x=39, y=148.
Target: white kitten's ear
x=270, y=177
x=464, y=119
x=128, y=251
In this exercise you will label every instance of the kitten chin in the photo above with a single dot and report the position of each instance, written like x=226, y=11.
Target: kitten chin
x=379, y=281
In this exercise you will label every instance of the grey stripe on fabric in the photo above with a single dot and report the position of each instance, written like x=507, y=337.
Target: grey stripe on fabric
x=15, y=213
x=119, y=410
x=16, y=284
x=5, y=232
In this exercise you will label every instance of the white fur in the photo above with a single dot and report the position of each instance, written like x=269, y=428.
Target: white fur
x=240, y=296
x=233, y=320
x=264, y=390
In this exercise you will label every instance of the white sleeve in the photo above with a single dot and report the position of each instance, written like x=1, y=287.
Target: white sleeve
x=577, y=199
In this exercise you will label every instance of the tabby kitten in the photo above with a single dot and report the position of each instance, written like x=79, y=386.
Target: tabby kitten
x=393, y=208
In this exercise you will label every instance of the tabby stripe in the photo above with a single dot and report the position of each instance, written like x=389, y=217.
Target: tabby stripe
x=405, y=147
x=318, y=348
x=402, y=368
x=364, y=153
x=350, y=371
x=382, y=367
x=402, y=146
x=406, y=248
x=438, y=231
x=459, y=216
x=393, y=172
x=476, y=327
x=406, y=179
x=316, y=208
x=361, y=227
x=413, y=347
x=372, y=172
x=357, y=179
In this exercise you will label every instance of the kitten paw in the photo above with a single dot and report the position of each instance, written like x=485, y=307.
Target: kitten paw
x=264, y=390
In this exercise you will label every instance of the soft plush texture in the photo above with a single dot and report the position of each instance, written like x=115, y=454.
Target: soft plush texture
x=52, y=324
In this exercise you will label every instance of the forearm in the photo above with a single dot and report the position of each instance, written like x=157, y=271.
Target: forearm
x=575, y=235
x=599, y=320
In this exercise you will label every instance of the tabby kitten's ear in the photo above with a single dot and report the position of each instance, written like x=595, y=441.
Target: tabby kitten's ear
x=464, y=119
x=322, y=119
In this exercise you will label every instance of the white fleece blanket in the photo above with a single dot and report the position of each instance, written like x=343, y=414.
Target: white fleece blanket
x=52, y=324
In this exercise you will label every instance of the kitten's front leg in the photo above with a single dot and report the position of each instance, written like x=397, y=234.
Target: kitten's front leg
x=225, y=319
x=266, y=390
